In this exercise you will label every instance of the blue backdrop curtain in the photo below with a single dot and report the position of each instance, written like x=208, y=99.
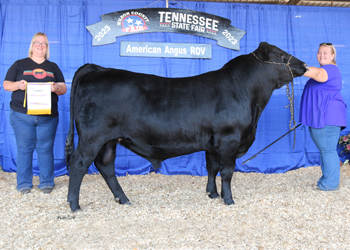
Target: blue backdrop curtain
x=296, y=29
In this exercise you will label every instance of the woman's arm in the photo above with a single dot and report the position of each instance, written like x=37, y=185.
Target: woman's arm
x=318, y=74
x=13, y=86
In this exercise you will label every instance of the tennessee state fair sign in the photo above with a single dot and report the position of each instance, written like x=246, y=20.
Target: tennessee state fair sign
x=134, y=21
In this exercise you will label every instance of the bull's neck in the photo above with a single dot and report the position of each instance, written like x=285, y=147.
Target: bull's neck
x=263, y=95
x=252, y=79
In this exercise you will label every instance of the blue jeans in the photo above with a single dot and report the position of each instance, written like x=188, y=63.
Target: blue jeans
x=326, y=140
x=34, y=132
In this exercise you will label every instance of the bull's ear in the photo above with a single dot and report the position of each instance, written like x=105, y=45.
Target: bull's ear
x=263, y=44
x=262, y=51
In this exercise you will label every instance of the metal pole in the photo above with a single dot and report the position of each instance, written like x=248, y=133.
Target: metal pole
x=167, y=3
x=270, y=144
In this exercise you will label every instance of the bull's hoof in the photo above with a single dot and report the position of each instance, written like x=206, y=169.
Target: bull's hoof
x=74, y=208
x=213, y=195
x=229, y=202
x=127, y=202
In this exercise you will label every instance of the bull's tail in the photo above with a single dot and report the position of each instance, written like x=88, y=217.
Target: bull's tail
x=83, y=70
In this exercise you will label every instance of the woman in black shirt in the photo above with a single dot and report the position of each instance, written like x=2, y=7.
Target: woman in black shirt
x=35, y=129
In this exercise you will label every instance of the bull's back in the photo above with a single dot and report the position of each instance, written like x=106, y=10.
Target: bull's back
x=145, y=96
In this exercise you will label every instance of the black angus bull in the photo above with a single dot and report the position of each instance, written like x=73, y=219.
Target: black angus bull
x=158, y=118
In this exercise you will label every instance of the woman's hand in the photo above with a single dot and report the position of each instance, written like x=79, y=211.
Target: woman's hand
x=59, y=88
x=22, y=84
x=54, y=87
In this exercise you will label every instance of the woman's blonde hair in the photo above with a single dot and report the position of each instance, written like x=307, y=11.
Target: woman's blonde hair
x=30, y=51
x=333, y=50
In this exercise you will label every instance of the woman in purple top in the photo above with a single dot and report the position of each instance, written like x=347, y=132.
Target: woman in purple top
x=323, y=110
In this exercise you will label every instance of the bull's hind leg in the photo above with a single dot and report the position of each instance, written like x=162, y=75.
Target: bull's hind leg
x=108, y=172
x=212, y=160
x=78, y=168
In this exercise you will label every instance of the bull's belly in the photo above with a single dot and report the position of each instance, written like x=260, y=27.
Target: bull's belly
x=163, y=152
x=166, y=153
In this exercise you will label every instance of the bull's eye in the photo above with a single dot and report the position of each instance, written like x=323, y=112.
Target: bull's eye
x=278, y=56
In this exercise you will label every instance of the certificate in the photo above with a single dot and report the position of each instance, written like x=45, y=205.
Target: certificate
x=38, y=98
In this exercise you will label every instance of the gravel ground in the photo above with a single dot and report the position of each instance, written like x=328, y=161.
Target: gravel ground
x=274, y=211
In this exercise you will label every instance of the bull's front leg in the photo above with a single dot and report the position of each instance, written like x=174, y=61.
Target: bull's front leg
x=213, y=166
x=227, y=158
x=226, y=177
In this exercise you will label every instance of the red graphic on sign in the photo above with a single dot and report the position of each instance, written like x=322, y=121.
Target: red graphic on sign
x=133, y=23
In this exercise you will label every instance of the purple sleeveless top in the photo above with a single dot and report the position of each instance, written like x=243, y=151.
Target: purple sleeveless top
x=322, y=103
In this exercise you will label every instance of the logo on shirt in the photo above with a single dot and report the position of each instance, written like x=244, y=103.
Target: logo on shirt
x=38, y=73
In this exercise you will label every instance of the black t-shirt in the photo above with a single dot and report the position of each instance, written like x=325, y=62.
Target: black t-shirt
x=28, y=70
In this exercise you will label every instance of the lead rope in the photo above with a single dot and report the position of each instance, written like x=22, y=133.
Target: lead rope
x=290, y=95
x=291, y=109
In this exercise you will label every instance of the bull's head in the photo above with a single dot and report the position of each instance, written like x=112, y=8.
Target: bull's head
x=292, y=67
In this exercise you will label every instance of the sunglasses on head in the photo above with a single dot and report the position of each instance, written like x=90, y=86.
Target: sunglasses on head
x=329, y=44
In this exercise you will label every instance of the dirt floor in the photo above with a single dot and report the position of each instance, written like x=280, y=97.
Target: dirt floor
x=272, y=211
